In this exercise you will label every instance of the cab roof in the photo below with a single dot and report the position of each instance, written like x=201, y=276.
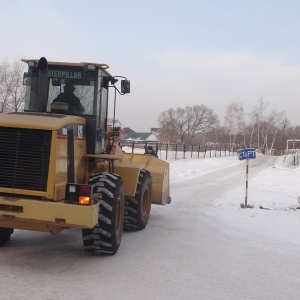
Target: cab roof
x=103, y=67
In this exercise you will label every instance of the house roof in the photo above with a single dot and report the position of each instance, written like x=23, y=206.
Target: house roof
x=140, y=136
x=126, y=130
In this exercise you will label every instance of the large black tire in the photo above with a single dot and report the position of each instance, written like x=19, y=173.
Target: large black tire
x=5, y=234
x=137, y=208
x=105, y=237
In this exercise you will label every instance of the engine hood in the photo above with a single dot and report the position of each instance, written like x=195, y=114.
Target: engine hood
x=34, y=120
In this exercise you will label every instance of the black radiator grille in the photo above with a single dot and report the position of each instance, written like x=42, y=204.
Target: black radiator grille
x=24, y=158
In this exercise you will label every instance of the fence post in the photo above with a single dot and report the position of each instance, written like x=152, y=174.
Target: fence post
x=176, y=152
x=167, y=148
x=184, y=151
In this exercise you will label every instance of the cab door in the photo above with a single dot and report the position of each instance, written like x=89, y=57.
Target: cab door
x=102, y=109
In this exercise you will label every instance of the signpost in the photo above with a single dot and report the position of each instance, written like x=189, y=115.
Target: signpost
x=248, y=153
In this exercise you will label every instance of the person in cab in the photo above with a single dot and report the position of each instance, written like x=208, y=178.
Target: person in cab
x=68, y=96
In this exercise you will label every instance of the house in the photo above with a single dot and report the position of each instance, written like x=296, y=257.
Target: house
x=127, y=134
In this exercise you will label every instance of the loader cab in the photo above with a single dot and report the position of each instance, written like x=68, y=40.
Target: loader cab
x=47, y=84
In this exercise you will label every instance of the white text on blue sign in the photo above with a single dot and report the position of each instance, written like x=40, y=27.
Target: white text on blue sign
x=248, y=153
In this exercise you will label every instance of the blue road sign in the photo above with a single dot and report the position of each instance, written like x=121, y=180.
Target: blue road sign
x=248, y=153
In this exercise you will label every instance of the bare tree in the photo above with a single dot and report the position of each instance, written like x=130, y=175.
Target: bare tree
x=235, y=120
x=280, y=121
x=12, y=91
x=189, y=122
x=257, y=118
x=5, y=86
x=168, y=136
x=266, y=129
x=266, y=126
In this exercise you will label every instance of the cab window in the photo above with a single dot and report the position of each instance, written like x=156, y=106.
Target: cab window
x=83, y=85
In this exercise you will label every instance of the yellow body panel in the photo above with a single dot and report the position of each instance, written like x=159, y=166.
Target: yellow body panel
x=15, y=211
x=44, y=210
x=44, y=121
x=59, y=167
x=159, y=171
x=128, y=171
x=128, y=166
x=130, y=174
x=57, y=175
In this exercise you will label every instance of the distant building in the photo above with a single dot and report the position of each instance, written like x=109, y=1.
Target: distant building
x=127, y=134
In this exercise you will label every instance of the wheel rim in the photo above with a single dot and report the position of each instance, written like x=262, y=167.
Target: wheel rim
x=145, y=202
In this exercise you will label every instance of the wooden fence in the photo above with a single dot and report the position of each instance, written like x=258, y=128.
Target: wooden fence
x=178, y=151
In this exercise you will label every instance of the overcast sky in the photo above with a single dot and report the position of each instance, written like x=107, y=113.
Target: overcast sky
x=175, y=53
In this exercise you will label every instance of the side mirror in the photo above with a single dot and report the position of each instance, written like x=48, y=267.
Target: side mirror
x=125, y=86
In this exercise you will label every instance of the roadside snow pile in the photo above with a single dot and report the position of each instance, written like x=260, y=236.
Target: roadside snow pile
x=184, y=169
x=289, y=160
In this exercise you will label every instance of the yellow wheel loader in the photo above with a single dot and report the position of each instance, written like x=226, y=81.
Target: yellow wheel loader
x=56, y=170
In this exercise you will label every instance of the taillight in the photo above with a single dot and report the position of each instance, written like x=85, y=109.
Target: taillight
x=84, y=200
x=86, y=189
x=78, y=194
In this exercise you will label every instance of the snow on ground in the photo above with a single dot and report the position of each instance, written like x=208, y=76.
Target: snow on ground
x=273, y=193
x=184, y=169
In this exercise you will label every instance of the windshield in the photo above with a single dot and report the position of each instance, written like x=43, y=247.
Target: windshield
x=74, y=86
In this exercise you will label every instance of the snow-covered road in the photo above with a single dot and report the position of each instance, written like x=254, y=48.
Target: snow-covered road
x=184, y=253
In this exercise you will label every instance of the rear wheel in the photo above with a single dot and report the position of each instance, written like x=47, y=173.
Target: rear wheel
x=105, y=237
x=137, y=208
x=5, y=234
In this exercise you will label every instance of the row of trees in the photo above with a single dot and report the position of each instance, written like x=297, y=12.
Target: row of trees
x=199, y=125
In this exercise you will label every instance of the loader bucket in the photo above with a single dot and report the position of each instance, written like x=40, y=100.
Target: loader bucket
x=159, y=171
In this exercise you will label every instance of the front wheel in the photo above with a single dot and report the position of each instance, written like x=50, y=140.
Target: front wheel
x=105, y=237
x=137, y=208
x=5, y=234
